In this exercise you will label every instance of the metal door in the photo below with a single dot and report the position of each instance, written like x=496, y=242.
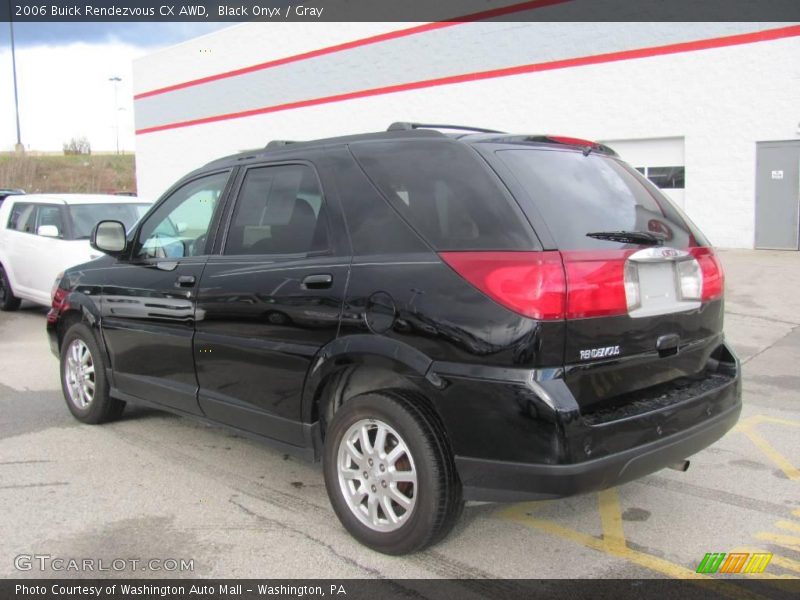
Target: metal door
x=778, y=195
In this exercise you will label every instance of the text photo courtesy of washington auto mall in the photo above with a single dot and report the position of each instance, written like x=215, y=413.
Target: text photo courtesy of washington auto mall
x=399, y=299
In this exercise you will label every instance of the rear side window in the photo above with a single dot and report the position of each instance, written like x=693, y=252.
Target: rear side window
x=280, y=210
x=447, y=194
x=22, y=217
x=86, y=216
x=577, y=194
x=49, y=214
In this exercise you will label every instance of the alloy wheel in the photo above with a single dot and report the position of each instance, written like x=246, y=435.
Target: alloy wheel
x=377, y=475
x=79, y=374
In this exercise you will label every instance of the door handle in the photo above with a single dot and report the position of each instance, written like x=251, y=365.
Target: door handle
x=318, y=282
x=185, y=281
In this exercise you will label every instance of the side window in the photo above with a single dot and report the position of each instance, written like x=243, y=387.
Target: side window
x=179, y=227
x=22, y=217
x=49, y=214
x=280, y=210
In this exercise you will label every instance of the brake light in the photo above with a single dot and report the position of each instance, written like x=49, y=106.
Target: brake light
x=556, y=285
x=596, y=283
x=711, y=269
x=59, y=296
x=529, y=283
x=572, y=141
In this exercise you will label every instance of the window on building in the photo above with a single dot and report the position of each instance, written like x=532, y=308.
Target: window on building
x=665, y=177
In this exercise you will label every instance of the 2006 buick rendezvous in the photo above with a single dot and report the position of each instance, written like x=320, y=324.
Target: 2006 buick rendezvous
x=438, y=318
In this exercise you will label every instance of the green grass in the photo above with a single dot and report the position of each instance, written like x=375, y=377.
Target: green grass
x=97, y=173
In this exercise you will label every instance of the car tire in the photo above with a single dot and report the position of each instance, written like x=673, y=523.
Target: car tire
x=411, y=496
x=83, y=378
x=8, y=301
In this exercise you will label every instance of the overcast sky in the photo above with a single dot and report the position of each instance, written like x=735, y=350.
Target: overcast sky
x=63, y=72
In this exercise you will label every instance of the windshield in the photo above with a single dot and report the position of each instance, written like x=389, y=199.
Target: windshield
x=577, y=195
x=86, y=216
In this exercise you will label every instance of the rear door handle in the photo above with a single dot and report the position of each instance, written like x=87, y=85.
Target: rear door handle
x=318, y=282
x=185, y=281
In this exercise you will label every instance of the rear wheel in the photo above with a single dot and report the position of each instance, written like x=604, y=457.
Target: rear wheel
x=83, y=378
x=8, y=301
x=390, y=474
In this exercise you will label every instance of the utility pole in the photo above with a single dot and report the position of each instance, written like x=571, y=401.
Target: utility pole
x=115, y=80
x=19, y=148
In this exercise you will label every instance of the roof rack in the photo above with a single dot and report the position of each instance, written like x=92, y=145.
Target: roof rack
x=279, y=143
x=403, y=126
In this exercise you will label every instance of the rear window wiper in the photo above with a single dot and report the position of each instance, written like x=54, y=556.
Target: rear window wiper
x=628, y=237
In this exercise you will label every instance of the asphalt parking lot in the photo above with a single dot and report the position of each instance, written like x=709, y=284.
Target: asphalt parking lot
x=159, y=486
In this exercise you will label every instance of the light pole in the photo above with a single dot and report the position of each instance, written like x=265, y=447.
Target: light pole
x=115, y=80
x=19, y=148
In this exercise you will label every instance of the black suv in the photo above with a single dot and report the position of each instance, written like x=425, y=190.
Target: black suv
x=438, y=318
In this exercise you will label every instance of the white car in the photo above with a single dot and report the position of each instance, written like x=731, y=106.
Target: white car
x=43, y=234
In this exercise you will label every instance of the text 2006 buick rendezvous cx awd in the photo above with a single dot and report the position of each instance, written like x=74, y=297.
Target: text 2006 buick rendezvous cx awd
x=438, y=318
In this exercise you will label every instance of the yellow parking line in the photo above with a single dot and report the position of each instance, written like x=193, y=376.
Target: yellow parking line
x=790, y=525
x=753, y=420
x=610, y=544
x=778, y=421
x=520, y=513
x=783, y=464
x=611, y=519
x=796, y=512
x=787, y=541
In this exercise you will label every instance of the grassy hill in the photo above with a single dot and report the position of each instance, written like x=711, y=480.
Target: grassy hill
x=96, y=173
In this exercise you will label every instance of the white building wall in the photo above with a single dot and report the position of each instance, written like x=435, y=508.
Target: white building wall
x=721, y=101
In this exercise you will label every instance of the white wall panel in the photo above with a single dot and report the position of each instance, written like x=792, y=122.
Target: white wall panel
x=719, y=101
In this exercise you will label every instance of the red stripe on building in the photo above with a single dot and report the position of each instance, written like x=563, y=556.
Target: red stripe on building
x=706, y=44
x=375, y=39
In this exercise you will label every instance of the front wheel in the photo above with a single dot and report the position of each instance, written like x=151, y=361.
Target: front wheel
x=390, y=474
x=83, y=378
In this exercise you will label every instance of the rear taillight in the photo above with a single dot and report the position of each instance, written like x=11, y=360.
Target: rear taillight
x=57, y=305
x=530, y=283
x=556, y=285
x=59, y=296
x=596, y=283
x=711, y=269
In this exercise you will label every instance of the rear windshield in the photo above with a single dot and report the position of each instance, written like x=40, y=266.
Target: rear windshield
x=86, y=216
x=447, y=194
x=577, y=194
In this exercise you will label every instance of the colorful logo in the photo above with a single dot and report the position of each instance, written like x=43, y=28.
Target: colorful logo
x=734, y=562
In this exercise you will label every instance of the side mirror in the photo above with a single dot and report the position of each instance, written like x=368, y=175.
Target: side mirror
x=181, y=227
x=109, y=237
x=50, y=231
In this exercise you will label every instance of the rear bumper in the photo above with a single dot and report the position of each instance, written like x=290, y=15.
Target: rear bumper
x=540, y=443
x=498, y=481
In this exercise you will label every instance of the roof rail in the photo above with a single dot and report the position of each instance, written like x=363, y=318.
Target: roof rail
x=279, y=143
x=403, y=126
